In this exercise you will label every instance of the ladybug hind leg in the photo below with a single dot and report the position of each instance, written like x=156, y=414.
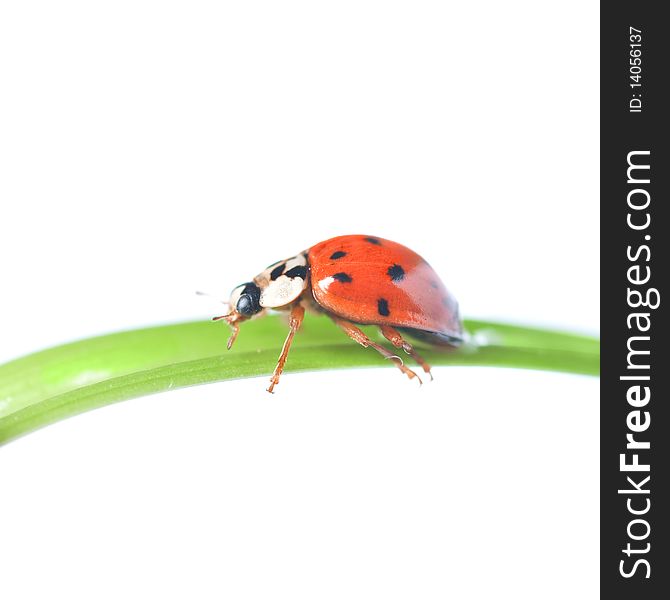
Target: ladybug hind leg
x=394, y=336
x=295, y=320
x=358, y=336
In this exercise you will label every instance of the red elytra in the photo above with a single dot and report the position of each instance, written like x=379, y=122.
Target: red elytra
x=354, y=279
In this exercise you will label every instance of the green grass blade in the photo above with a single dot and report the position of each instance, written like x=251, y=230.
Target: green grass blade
x=54, y=384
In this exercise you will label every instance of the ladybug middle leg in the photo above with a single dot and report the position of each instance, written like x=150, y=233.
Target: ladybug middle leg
x=358, y=336
x=394, y=336
x=295, y=320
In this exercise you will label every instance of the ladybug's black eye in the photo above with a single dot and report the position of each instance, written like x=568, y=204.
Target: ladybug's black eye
x=249, y=301
x=245, y=305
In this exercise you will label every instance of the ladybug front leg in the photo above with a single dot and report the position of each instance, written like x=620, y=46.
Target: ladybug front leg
x=295, y=320
x=358, y=336
x=393, y=336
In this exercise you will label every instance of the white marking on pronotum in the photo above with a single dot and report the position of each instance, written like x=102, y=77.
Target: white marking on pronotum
x=283, y=290
x=296, y=261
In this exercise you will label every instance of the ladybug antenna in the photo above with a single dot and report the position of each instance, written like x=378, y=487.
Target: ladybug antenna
x=230, y=314
x=199, y=293
x=222, y=317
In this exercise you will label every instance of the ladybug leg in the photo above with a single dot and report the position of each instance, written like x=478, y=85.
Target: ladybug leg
x=393, y=336
x=233, y=336
x=295, y=320
x=358, y=336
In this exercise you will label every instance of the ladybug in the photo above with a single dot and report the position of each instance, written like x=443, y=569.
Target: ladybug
x=354, y=279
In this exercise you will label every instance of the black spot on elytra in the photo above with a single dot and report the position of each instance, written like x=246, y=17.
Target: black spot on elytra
x=434, y=285
x=277, y=271
x=383, y=307
x=445, y=302
x=343, y=277
x=374, y=241
x=396, y=273
x=338, y=254
x=298, y=271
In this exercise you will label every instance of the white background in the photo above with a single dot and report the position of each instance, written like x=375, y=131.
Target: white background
x=151, y=149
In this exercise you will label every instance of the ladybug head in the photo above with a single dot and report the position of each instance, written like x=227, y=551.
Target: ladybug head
x=277, y=287
x=245, y=299
x=244, y=303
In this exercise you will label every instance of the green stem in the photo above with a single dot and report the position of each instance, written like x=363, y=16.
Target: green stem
x=45, y=387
